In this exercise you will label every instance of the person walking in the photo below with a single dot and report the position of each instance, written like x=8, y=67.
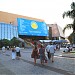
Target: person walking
x=42, y=54
x=13, y=53
x=52, y=51
x=48, y=51
x=3, y=49
x=18, y=55
x=35, y=54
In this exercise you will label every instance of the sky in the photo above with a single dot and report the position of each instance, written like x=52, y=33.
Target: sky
x=49, y=10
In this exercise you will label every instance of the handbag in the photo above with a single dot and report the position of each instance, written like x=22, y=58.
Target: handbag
x=46, y=59
x=32, y=56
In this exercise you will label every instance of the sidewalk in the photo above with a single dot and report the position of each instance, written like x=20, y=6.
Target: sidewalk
x=25, y=66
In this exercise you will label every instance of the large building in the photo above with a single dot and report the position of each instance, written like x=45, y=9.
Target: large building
x=9, y=27
x=55, y=32
x=11, y=18
x=8, y=31
x=13, y=25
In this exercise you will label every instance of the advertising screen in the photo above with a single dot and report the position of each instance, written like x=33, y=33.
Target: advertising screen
x=31, y=27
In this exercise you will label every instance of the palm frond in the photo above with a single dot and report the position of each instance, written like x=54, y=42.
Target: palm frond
x=70, y=14
x=73, y=5
x=67, y=14
x=64, y=15
x=68, y=26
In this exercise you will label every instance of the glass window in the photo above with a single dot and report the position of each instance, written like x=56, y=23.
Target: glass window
x=0, y=30
x=8, y=31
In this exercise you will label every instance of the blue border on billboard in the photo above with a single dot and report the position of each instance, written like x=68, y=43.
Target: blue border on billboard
x=32, y=27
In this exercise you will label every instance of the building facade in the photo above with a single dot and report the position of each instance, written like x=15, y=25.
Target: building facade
x=9, y=25
x=55, y=32
x=10, y=18
x=8, y=31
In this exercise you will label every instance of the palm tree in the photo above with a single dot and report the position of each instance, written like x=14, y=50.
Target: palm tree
x=70, y=14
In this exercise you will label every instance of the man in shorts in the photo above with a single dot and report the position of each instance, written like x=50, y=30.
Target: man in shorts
x=52, y=51
x=17, y=52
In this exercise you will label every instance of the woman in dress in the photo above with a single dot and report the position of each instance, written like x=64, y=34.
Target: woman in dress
x=13, y=53
x=42, y=54
x=35, y=54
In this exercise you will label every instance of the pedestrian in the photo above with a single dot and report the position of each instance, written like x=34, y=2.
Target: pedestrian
x=35, y=54
x=7, y=47
x=18, y=55
x=52, y=51
x=42, y=54
x=48, y=51
x=3, y=49
x=13, y=53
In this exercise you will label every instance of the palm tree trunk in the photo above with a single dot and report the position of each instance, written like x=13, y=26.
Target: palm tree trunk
x=73, y=37
x=74, y=31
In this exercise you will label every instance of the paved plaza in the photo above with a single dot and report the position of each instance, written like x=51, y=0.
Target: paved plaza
x=64, y=64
